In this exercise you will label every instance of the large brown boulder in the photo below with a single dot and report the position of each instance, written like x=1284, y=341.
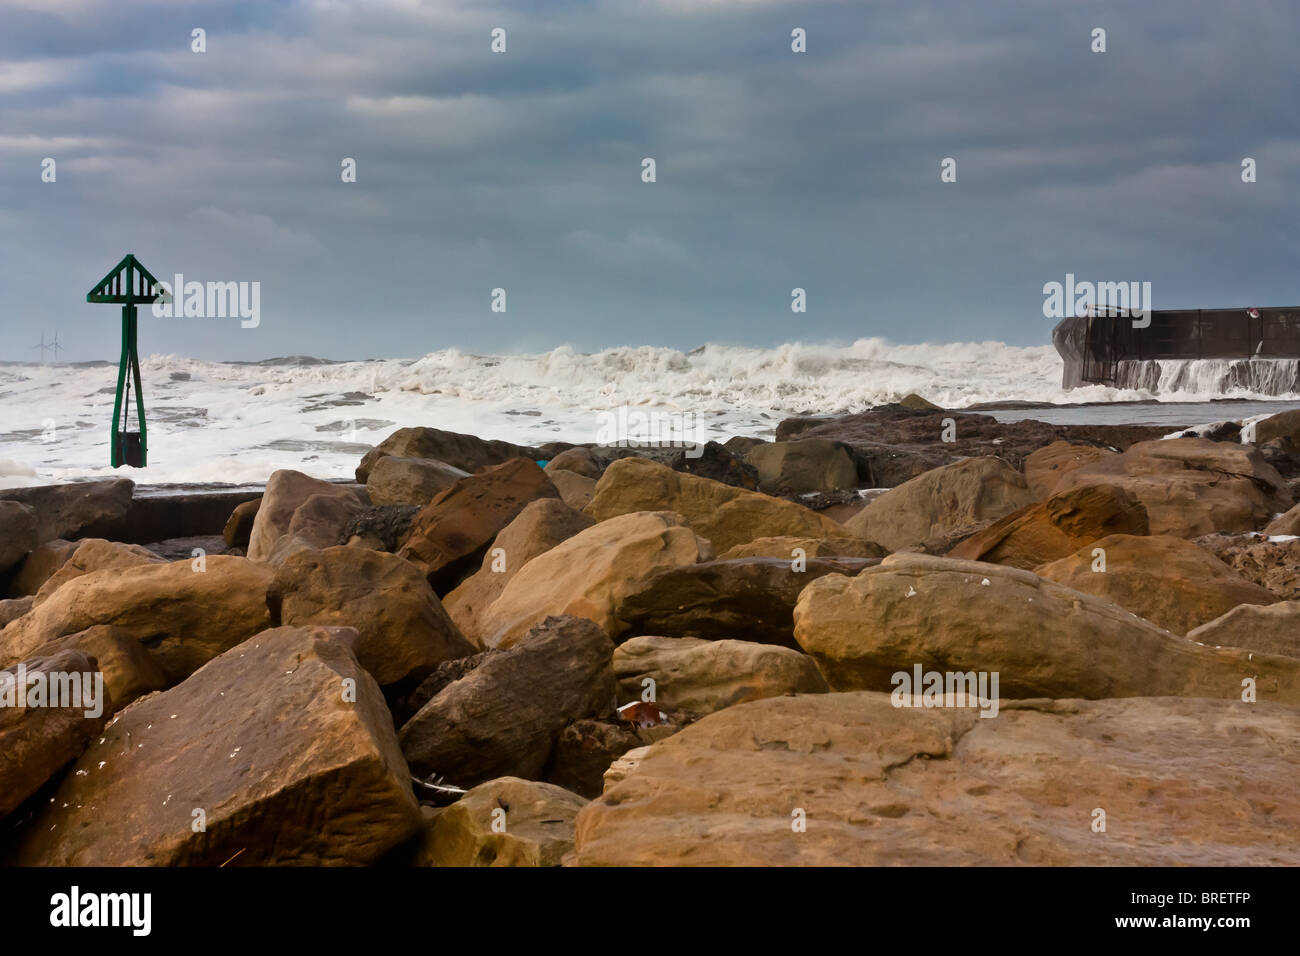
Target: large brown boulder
x=578, y=460
x=1192, y=486
x=18, y=534
x=410, y=481
x=76, y=509
x=36, y=741
x=502, y=717
x=941, y=501
x=799, y=467
x=321, y=521
x=503, y=822
x=724, y=514
x=1055, y=528
x=183, y=616
x=129, y=670
x=450, y=535
x=749, y=599
x=1040, y=638
x=95, y=554
x=590, y=574
x=44, y=560
x=286, y=491
x=849, y=779
x=278, y=752
x=701, y=676
x=469, y=453
x=575, y=490
x=542, y=525
x=1270, y=629
x=1045, y=467
x=1281, y=425
x=403, y=631
x=1170, y=582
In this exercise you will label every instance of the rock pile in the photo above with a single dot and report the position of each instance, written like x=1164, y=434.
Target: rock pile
x=484, y=654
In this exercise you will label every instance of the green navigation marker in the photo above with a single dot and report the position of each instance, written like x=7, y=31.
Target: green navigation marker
x=129, y=284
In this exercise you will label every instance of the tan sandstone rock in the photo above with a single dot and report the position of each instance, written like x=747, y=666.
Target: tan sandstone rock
x=403, y=631
x=1169, y=581
x=1052, y=529
x=940, y=501
x=589, y=574
x=1182, y=782
x=95, y=554
x=318, y=523
x=725, y=515
x=76, y=509
x=502, y=715
x=35, y=742
x=129, y=670
x=579, y=461
x=286, y=491
x=410, y=481
x=184, y=617
x=450, y=535
x=576, y=490
x=1282, y=425
x=539, y=527
x=42, y=562
x=703, y=676
x=1192, y=486
x=748, y=599
x=469, y=453
x=1041, y=638
x=799, y=467
x=1274, y=629
x=285, y=770
x=504, y=822
x=1045, y=467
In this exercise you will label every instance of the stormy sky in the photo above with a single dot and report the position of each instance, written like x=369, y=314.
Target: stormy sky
x=522, y=170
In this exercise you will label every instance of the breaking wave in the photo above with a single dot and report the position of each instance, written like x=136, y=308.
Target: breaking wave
x=237, y=422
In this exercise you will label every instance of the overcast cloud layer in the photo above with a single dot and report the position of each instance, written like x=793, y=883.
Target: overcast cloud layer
x=522, y=170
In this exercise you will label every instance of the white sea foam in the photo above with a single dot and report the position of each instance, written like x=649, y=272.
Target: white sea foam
x=238, y=423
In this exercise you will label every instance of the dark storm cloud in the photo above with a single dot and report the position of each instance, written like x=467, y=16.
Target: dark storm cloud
x=522, y=170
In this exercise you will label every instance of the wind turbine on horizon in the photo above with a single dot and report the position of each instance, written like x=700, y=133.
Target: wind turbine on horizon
x=44, y=346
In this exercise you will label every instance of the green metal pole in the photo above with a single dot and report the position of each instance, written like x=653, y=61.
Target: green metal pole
x=115, y=454
x=139, y=392
x=119, y=286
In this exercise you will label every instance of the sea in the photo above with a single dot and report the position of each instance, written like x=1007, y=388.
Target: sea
x=230, y=424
